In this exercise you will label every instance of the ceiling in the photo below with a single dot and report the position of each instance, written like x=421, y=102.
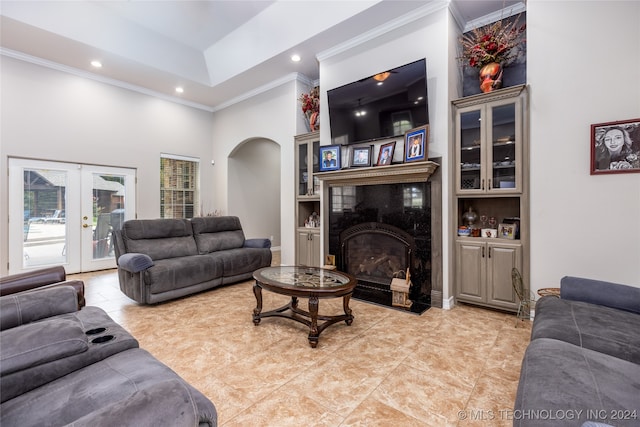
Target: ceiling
x=218, y=51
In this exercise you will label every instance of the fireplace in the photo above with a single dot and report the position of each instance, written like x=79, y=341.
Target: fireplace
x=376, y=253
x=380, y=222
x=379, y=232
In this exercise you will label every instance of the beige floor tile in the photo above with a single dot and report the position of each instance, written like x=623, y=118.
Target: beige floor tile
x=387, y=368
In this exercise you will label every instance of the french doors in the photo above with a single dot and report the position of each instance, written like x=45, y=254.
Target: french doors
x=65, y=214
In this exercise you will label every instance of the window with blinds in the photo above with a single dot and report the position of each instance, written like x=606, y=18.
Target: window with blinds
x=179, y=186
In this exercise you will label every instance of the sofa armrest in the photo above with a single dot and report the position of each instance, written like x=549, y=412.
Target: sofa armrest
x=608, y=294
x=257, y=243
x=14, y=283
x=25, y=307
x=134, y=262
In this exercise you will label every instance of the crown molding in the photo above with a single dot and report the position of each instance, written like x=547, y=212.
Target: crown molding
x=265, y=88
x=399, y=22
x=96, y=77
x=495, y=16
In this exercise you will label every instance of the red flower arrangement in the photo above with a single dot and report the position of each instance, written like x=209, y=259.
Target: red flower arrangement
x=311, y=107
x=310, y=101
x=492, y=43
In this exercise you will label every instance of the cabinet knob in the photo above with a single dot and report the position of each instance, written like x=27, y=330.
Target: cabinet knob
x=489, y=184
x=482, y=185
x=483, y=252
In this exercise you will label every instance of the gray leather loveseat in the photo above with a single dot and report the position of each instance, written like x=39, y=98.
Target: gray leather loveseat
x=60, y=366
x=582, y=366
x=163, y=259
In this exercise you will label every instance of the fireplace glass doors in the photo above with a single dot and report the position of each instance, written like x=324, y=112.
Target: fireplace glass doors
x=377, y=232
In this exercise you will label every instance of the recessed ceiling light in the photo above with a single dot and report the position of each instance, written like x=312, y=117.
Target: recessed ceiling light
x=179, y=89
x=295, y=58
x=96, y=64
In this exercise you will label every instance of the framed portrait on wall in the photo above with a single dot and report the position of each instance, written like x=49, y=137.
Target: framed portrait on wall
x=416, y=144
x=329, y=157
x=615, y=147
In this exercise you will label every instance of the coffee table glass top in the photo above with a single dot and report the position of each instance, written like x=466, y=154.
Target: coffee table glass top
x=303, y=277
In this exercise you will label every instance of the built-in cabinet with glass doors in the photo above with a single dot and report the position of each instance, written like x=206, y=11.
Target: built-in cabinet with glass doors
x=491, y=180
x=307, y=199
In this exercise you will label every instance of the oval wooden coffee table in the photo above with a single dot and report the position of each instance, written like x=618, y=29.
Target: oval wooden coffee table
x=304, y=282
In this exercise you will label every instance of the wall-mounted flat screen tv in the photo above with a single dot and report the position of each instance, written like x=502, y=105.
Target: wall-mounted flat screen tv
x=384, y=105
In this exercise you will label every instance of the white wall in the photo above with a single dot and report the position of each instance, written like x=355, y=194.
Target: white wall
x=254, y=173
x=271, y=115
x=53, y=115
x=583, y=67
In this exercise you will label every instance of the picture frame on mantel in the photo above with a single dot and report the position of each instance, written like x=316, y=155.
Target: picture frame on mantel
x=615, y=147
x=385, y=155
x=361, y=156
x=416, y=144
x=330, y=157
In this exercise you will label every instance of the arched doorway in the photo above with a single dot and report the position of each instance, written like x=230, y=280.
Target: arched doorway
x=254, y=188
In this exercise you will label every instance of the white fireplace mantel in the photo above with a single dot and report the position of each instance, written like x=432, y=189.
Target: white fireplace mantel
x=392, y=174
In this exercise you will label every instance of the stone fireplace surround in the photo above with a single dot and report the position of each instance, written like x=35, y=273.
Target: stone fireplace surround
x=406, y=173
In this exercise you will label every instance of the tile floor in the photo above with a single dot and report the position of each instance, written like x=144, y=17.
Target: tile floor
x=457, y=367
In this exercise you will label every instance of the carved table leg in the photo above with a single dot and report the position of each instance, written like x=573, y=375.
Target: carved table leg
x=313, y=328
x=347, y=310
x=257, y=291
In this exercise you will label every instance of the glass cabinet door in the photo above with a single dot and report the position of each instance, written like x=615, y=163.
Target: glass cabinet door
x=470, y=146
x=303, y=170
x=308, y=183
x=503, y=140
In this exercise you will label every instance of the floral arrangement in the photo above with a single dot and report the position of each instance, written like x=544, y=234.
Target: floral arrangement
x=492, y=43
x=310, y=101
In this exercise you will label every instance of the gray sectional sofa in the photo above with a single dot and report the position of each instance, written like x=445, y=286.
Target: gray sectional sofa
x=163, y=259
x=582, y=366
x=60, y=366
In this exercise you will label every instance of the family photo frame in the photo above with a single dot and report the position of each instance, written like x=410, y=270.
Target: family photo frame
x=329, y=157
x=385, y=155
x=507, y=231
x=615, y=147
x=361, y=156
x=416, y=144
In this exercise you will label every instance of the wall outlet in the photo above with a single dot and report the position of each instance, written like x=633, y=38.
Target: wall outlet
x=271, y=238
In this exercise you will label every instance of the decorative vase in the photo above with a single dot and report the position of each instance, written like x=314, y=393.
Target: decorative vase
x=470, y=217
x=490, y=77
x=314, y=121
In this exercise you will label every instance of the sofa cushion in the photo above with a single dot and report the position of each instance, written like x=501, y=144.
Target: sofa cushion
x=36, y=343
x=159, y=238
x=217, y=233
x=97, y=328
x=242, y=260
x=21, y=308
x=175, y=273
x=105, y=383
x=607, y=330
x=558, y=379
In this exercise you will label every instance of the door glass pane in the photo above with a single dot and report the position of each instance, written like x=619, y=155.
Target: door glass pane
x=303, y=169
x=504, y=146
x=470, y=150
x=45, y=230
x=108, y=212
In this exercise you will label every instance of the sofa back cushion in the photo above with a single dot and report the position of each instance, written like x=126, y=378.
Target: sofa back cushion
x=217, y=233
x=159, y=238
